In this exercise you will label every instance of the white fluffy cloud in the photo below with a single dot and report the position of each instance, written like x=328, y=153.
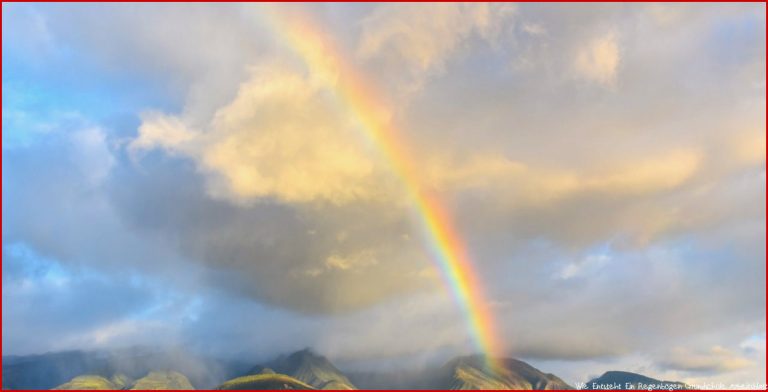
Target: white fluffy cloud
x=282, y=137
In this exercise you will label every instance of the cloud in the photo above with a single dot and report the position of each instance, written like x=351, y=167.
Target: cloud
x=577, y=269
x=38, y=38
x=716, y=359
x=159, y=130
x=347, y=262
x=43, y=292
x=599, y=60
x=281, y=137
x=423, y=37
x=272, y=251
x=94, y=157
x=644, y=175
x=78, y=164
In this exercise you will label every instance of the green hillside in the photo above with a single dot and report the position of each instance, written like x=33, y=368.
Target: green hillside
x=264, y=382
x=121, y=381
x=470, y=378
x=90, y=382
x=471, y=372
x=311, y=369
x=152, y=381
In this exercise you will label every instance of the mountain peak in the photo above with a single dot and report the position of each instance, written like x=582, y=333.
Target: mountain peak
x=307, y=366
x=472, y=372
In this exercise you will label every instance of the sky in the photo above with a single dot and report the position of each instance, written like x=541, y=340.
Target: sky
x=180, y=175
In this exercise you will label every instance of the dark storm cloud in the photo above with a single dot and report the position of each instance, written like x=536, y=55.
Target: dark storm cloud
x=277, y=253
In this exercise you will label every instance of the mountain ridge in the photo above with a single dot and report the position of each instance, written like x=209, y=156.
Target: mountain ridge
x=154, y=380
x=616, y=379
x=472, y=372
x=304, y=369
x=308, y=367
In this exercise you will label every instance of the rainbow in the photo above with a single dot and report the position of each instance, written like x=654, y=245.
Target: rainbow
x=356, y=94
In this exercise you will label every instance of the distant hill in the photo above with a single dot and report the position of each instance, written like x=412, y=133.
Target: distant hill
x=46, y=371
x=162, y=380
x=627, y=380
x=466, y=372
x=310, y=368
x=472, y=372
x=159, y=380
x=89, y=382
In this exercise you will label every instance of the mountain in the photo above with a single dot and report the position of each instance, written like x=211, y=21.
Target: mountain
x=151, y=369
x=162, y=380
x=467, y=372
x=90, y=382
x=310, y=368
x=472, y=372
x=153, y=381
x=627, y=380
x=46, y=371
x=266, y=380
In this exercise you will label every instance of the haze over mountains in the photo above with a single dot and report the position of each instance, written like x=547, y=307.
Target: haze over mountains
x=144, y=369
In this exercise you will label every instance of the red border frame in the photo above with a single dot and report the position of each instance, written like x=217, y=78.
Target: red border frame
x=294, y=1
